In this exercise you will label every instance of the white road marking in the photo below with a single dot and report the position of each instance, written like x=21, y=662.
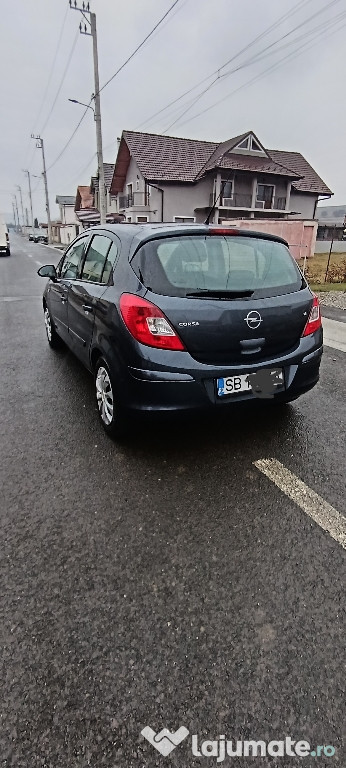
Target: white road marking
x=334, y=334
x=30, y=255
x=38, y=263
x=18, y=298
x=310, y=502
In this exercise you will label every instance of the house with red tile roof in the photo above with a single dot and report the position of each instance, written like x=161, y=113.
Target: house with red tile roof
x=166, y=178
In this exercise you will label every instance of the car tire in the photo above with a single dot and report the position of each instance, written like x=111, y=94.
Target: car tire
x=110, y=410
x=53, y=337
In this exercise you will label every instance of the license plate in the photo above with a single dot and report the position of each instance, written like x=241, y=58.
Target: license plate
x=233, y=385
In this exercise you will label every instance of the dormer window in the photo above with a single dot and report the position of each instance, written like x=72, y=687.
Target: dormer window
x=249, y=144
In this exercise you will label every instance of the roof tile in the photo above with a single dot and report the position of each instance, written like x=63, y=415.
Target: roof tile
x=170, y=158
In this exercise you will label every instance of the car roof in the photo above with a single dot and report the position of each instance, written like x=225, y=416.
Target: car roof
x=135, y=235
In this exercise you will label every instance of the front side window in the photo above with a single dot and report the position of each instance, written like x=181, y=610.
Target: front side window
x=110, y=262
x=96, y=258
x=178, y=266
x=72, y=260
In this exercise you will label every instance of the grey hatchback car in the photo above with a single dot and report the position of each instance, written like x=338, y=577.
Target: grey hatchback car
x=183, y=317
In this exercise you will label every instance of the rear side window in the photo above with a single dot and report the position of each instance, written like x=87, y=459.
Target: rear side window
x=180, y=265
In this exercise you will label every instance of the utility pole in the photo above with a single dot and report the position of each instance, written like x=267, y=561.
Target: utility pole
x=14, y=216
x=84, y=30
x=330, y=253
x=16, y=204
x=21, y=203
x=30, y=197
x=27, y=217
x=40, y=145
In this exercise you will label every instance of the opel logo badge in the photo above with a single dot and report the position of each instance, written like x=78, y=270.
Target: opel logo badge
x=253, y=319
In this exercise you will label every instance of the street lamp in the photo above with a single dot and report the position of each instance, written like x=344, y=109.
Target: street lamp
x=74, y=101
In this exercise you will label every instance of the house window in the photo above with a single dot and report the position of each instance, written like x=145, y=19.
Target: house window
x=147, y=194
x=142, y=219
x=265, y=195
x=184, y=219
x=129, y=194
x=227, y=191
x=249, y=144
x=254, y=146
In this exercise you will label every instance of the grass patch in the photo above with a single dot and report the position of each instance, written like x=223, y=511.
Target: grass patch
x=323, y=287
x=316, y=269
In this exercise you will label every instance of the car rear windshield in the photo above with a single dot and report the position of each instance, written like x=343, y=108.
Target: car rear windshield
x=185, y=265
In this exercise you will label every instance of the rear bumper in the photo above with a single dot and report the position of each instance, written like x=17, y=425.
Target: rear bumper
x=188, y=385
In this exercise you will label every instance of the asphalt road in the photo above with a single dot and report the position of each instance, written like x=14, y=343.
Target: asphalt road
x=165, y=581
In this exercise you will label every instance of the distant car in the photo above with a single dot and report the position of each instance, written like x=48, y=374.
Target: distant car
x=40, y=238
x=31, y=237
x=4, y=240
x=178, y=317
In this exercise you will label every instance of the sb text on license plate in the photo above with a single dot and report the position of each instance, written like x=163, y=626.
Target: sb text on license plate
x=233, y=385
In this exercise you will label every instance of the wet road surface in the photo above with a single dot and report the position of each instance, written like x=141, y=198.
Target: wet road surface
x=165, y=581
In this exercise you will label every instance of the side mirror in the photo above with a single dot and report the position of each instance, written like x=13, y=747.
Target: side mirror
x=48, y=271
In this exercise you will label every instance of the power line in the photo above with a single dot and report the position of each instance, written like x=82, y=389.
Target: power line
x=255, y=58
x=260, y=57
x=62, y=81
x=112, y=78
x=274, y=66
x=81, y=171
x=53, y=63
x=69, y=140
x=48, y=81
x=140, y=45
x=273, y=26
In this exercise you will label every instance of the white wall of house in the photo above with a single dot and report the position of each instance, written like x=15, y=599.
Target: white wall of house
x=67, y=214
x=185, y=200
x=193, y=200
x=303, y=204
x=69, y=232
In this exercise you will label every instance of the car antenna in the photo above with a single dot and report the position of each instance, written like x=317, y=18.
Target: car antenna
x=212, y=209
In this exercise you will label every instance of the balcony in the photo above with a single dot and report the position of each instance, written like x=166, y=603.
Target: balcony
x=244, y=201
x=135, y=200
x=238, y=200
x=276, y=204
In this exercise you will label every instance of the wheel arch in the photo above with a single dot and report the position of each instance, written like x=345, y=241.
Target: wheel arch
x=95, y=355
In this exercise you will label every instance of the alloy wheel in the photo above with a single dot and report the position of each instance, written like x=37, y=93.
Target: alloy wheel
x=48, y=324
x=104, y=395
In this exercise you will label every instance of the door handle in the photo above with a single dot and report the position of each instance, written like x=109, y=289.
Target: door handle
x=87, y=307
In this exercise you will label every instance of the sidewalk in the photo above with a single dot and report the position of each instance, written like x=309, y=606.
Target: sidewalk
x=334, y=334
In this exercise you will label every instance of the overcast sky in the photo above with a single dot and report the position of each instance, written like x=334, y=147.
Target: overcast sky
x=297, y=105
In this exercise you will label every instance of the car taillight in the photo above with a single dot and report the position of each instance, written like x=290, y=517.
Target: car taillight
x=148, y=324
x=314, y=319
x=223, y=231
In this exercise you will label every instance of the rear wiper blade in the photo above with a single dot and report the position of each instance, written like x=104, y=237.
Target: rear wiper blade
x=219, y=294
